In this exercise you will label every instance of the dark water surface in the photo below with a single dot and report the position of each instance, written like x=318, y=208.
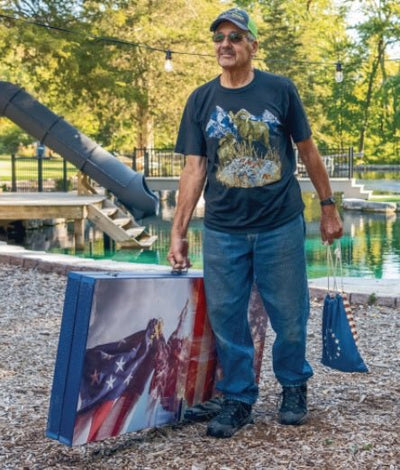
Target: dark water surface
x=370, y=245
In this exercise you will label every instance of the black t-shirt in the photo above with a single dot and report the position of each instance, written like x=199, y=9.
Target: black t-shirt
x=247, y=136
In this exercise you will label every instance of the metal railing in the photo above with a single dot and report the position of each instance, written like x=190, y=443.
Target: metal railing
x=155, y=162
x=56, y=174
x=339, y=163
x=40, y=174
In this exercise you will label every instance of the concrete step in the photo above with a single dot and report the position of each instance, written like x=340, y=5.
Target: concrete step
x=349, y=187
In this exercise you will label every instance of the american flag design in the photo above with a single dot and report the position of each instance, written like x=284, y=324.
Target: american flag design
x=149, y=354
x=258, y=321
x=339, y=335
x=350, y=316
x=141, y=380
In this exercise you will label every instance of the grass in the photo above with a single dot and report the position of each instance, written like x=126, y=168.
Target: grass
x=5, y=170
x=385, y=197
x=27, y=168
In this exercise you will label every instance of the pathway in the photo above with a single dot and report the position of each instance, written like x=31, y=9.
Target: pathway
x=360, y=290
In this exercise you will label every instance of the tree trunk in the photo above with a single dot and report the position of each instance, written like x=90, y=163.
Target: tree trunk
x=368, y=99
x=145, y=137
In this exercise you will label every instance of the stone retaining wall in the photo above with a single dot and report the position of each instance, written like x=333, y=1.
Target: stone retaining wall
x=370, y=206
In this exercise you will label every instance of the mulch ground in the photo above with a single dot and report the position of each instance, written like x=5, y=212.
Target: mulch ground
x=354, y=418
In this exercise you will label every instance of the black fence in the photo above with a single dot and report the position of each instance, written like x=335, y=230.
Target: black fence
x=338, y=162
x=56, y=174
x=164, y=162
x=155, y=162
x=25, y=174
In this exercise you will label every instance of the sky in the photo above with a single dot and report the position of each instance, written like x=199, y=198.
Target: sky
x=356, y=16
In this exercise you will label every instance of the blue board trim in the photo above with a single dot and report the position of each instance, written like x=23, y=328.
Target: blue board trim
x=60, y=377
x=78, y=349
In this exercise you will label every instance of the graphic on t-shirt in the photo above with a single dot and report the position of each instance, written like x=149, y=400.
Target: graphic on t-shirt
x=246, y=157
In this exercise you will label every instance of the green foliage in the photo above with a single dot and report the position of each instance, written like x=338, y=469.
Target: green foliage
x=372, y=299
x=377, y=86
x=12, y=138
x=120, y=95
x=59, y=185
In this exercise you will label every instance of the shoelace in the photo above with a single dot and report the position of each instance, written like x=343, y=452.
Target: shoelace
x=229, y=409
x=292, y=398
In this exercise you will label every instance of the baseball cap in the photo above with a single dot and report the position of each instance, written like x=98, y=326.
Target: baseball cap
x=238, y=17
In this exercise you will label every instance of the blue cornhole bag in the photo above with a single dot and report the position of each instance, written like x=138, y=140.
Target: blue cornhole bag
x=339, y=336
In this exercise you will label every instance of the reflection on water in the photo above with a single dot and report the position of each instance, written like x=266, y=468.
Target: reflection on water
x=370, y=246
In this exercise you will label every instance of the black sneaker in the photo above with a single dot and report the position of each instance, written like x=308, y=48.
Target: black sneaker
x=293, y=409
x=233, y=415
x=203, y=411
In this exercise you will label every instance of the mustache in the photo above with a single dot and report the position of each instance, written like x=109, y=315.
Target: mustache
x=225, y=50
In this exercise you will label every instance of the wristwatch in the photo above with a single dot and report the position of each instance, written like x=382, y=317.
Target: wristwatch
x=330, y=201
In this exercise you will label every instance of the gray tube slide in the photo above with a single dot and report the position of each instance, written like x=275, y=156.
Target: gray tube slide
x=53, y=131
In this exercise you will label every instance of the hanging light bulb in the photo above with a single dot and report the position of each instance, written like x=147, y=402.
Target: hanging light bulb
x=339, y=73
x=168, y=66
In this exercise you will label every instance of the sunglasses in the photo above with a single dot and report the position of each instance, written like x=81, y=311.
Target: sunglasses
x=234, y=37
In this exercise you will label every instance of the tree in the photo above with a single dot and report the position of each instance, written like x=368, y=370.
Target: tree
x=100, y=65
x=116, y=91
x=302, y=40
x=380, y=30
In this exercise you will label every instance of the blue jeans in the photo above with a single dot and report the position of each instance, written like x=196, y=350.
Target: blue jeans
x=275, y=261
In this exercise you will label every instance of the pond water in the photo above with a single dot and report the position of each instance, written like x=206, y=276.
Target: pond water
x=370, y=245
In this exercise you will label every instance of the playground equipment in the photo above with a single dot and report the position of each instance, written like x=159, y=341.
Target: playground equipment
x=128, y=186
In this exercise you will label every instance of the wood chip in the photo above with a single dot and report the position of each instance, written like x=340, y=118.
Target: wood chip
x=354, y=418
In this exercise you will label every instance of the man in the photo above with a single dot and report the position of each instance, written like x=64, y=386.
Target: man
x=237, y=132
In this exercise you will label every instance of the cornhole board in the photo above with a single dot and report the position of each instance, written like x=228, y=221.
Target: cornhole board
x=134, y=351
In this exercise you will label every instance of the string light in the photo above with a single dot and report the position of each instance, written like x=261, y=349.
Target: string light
x=339, y=73
x=168, y=66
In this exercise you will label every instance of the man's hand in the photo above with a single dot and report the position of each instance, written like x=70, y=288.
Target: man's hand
x=331, y=224
x=178, y=253
x=190, y=188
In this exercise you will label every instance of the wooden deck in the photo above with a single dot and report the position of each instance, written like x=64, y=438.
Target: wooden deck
x=25, y=206
x=108, y=217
